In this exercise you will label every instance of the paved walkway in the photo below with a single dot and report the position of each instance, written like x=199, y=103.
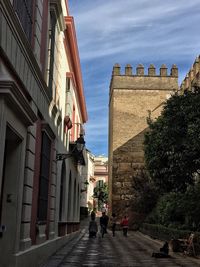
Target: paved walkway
x=119, y=251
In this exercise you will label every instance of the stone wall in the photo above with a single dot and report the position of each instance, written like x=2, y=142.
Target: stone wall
x=132, y=99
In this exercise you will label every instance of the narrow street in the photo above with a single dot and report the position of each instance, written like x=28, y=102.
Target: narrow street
x=134, y=250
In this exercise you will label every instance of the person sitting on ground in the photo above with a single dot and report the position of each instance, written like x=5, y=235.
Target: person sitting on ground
x=93, y=228
x=165, y=248
x=164, y=251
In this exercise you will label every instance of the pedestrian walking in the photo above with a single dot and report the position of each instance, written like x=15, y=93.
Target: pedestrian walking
x=124, y=225
x=113, y=223
x=107, y=220
x=104, y=223
x=93, y=215
x=93, y=228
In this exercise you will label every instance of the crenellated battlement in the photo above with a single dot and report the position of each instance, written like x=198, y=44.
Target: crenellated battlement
x=140, y=71
x=139, y=80
x=193, y=76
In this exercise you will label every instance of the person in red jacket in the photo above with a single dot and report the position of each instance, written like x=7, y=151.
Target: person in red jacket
x=124, y=225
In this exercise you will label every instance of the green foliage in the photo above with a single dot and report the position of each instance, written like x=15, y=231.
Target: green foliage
x=169, y=210
x=172, y=146
x=178, y=210
x=101, y=193
x=162, y=232
x=192, y=207
x=145, y=192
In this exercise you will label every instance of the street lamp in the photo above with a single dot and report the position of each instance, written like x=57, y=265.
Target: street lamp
x=80, y=143
x=78, y=148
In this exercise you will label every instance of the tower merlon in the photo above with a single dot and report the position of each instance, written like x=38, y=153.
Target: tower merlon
x=151, y=70
x=140, y=70
x=174, y=71
x=163, y=70
x=128, y=70
x=116, y=69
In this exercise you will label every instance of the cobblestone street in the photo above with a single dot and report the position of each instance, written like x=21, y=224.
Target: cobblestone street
x=134, y=250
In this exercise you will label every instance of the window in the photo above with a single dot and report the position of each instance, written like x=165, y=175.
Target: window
x=52, y=32
x=67, y=84
x=73, y=125
x=24, y=10
x=44, y=178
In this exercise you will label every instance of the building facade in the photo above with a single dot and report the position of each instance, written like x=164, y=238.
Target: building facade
x=192, y=78
x=101, y=169
x=94, y=175
x=133, y=98
x=42, y=110
x=87, y=184
x=100, y=181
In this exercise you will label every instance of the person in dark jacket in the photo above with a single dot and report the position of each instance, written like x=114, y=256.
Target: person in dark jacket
x=113, y=223
x=93, y=228
x=93, y=215
x=165, y=248
x=164, y=251
x=104, y=223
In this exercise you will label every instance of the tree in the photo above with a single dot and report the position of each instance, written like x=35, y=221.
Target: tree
x=145, y=192
x=178, y=210
x=172, y=145
x=101, y=193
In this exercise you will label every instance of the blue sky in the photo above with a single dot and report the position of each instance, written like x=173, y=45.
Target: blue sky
x=129, y=32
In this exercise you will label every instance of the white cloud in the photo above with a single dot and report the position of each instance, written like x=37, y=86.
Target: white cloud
x=130, y=31
x=107, y=29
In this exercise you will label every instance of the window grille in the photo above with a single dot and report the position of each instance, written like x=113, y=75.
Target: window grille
x=52, y=33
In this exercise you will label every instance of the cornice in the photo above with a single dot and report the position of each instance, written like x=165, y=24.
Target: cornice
x=48, y=130
x=17, y=101
x=57, y=5
x=67, y=7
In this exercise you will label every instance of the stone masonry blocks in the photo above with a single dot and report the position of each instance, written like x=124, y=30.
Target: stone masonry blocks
x=132, y=99
x=28, y=177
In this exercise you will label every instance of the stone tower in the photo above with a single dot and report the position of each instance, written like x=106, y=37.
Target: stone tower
x=132, y=98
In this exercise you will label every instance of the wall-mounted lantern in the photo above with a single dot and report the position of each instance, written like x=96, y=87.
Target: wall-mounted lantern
x=76, y=151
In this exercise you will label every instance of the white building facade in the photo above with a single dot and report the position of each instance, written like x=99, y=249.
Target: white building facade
x=87, y=184
x=42, y=110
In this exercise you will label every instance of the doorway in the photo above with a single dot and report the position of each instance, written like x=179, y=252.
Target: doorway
x=9, y=195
